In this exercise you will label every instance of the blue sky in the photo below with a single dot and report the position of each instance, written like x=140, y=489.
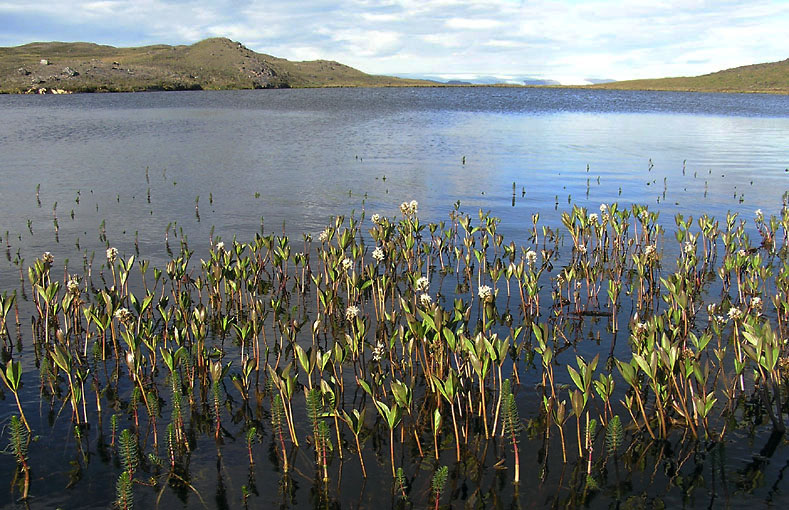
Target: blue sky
x=568, y=41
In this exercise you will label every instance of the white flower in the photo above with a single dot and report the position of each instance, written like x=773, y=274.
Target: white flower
x=425, y=300
x=742, y=253
x=351, y=312
x=603, y=208
x=378, y=352
x=376, y=218
x=378, y=254
x=735, y=313
x=649, y=250
x=220, y=246
x=720, y=318
x=112, y=254
x=644, y=215
x=531, y=257
x=47, y=257
x=582, y=248
x=123, y=315
x=759, y=214
x=324, y=236
x=409, y=208
x=756, y=302
x=593, y=218
x=73, y=286
x=422, y=283
x=689, y=248
x=347, y=264
x=485, y=293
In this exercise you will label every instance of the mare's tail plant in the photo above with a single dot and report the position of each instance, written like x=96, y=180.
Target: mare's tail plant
x=438, y=483
x=512, y=424
x=20, y=439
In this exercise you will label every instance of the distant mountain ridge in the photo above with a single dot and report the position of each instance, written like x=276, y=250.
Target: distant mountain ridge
x=216, y=63
x=770, y=77
x=219, y=63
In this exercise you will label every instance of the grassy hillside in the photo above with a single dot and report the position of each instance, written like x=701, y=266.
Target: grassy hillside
x=210, y=64
x=771, y=77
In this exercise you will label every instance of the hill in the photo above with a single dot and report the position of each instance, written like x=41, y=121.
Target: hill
x=772, y=77
x=216, y=63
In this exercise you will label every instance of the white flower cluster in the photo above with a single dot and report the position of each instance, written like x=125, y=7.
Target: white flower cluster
x=649, y=250
x=378, y=254
x=409, y=208
x=422, y=284
x=735, y=313
x=531, y=257
x=378, y=352
x=759, y=215
x=689, y=248
x=351, y=312
x=347, y=264
x=324, y=236
x=593, y=218
x=485, y=293
x=220, y=246
x=73, y=286
x=375, y=218
x=425, y=300
x=756, y=303
x=582, y=248
x=112, y=254
x=48, y=258
x=123, y=315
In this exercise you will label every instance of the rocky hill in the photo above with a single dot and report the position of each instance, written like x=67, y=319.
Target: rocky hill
x=216, y=63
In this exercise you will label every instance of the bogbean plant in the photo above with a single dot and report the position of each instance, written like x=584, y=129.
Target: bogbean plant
x=432, y=322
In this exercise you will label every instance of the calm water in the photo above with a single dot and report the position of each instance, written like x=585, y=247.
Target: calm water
x=301, y=156
x=292, y=159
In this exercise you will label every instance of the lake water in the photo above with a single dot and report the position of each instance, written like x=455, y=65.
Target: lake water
x=136, y=166
x=300, y=156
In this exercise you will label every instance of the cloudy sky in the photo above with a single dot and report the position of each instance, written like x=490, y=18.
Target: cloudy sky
x=564, y=40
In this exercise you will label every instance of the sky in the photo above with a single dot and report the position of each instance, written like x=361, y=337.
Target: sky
x=569, y=41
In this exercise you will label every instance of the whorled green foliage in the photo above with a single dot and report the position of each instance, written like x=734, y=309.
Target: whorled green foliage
x=509, y=408
x=251, y=436
x=216, y=389
x=401, y=483
x=175, y=414
x=323, y=436
x=113, y=426
x=314, y=406
x=277, y=414
x=153, y=404
x=128, y=451
x=439, y=481
x=124, y=494
x=136, y=396
x=18, y=438
x=614, y=435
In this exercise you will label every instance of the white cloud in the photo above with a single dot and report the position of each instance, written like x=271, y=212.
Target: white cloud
x=541, y=38
x=472, y=23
